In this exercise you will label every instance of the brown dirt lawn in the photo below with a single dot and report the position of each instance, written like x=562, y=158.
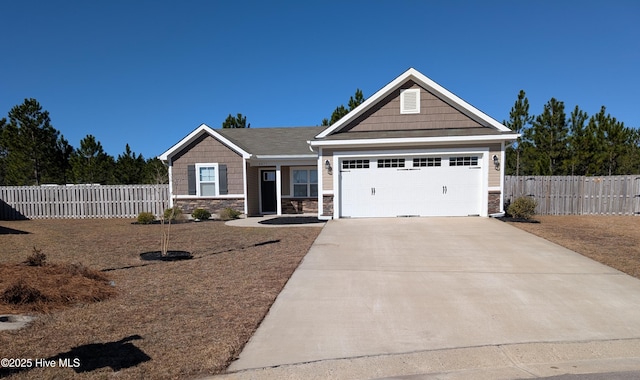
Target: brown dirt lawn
x=611, y=240
x=167, y=319
x=190, y=318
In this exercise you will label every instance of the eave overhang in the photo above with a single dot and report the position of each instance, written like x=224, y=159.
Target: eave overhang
x=414, y=141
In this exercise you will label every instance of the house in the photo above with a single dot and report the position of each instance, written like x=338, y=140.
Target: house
x=412, y=149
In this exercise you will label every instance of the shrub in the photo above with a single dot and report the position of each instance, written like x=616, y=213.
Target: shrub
x=146, y=218
x=173, y=214
x=36, y=258
x=201, y=214
x=523, y=207
x=229, y=213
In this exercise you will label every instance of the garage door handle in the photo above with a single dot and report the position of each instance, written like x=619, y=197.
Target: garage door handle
x=444, y=189
x=373, y=191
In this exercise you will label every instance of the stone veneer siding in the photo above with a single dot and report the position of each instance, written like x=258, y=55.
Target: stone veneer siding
x=299, y=206
x=214, y=206
x=494, y=202
x=327, y=205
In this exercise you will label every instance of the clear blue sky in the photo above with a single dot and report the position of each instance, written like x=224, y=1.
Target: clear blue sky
x=149, y=72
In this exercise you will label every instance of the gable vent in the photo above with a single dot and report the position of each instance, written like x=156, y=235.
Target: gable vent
x=410, y=101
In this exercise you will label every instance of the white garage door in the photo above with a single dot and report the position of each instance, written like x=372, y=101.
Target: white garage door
x=411, y=186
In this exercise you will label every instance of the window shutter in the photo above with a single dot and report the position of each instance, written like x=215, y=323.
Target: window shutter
x=191, y=179
x=222, y=171
x=410, y=101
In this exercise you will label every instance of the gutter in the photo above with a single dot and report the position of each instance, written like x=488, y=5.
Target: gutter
x=414, y=140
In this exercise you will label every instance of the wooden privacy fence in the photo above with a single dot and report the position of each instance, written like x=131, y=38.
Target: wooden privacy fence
x=578, y=195
x=81, y=201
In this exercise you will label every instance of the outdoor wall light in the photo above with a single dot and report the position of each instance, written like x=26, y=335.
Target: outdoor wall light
x=496, y=162
x=327, y=165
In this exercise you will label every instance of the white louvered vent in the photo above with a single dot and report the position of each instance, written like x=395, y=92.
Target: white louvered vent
x=410, y=101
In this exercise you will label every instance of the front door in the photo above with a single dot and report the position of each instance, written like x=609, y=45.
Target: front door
x=268, y=191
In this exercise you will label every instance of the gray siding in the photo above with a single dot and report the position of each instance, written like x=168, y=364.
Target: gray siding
x=494, y=175
x=206, y=149
x=434, y=114
x=253, y=190
x=285, y=177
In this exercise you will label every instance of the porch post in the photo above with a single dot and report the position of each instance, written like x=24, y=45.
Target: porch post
x=278, y=190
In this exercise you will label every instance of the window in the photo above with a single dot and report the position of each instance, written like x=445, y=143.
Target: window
x=355, y=164
x=268, y=176
x=305, y=182
x=427, y=161
x=207, y=179
x=410, y=101
x=391, y=163
x=463, y=161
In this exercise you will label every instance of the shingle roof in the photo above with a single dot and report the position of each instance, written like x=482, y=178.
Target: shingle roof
x=272, y=141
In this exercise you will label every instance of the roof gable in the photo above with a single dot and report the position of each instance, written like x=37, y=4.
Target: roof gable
x=464, y=111
x=194, y=135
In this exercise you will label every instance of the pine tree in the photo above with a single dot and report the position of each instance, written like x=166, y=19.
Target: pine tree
x=519, y=120
x=341, y=110
x=238, y=121
x=3, y=152
x=548, y=135
x=90, y=164
x=613, y=142
x=129, y=168
x=30, y=146
x=155, y=172
x=579, y=149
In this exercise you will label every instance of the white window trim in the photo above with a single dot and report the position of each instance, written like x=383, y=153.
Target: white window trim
x=403, y=93
x=307, y=168
x=217, y=182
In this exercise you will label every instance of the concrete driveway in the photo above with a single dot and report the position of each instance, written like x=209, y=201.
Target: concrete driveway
x=404, y=285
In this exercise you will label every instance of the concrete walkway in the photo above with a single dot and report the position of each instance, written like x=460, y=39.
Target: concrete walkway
x=388, y=288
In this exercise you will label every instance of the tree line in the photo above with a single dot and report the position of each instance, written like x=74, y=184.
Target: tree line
x=554, y=143
x=33, y=152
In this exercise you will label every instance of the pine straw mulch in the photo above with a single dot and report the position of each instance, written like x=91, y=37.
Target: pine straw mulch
x=50, y=287
x=611, y=240
x=166, y=319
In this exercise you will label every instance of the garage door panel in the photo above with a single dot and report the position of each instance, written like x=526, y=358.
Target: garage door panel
x=355, y=192
x=439, y=189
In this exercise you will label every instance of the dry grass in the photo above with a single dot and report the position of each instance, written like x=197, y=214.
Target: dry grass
x=168, y=319
x=190, y=318
x=611, y=240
